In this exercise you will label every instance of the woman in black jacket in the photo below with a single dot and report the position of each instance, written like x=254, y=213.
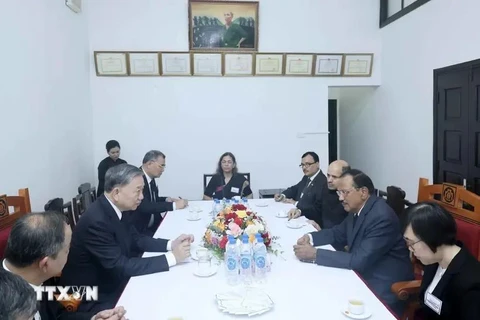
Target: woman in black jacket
x=113, y=159
x=451, y=280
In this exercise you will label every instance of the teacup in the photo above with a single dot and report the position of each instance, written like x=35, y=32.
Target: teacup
x=204, y=260
x=282, y=214
x=356, y=306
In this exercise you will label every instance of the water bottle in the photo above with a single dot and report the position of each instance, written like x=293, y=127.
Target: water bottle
x=227, y=202
x=245, y=261
x=231, y=261
x=245, y=202
x=235, y=201
x=217, y=207
x=260, y=258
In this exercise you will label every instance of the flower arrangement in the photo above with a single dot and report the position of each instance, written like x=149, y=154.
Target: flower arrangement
x=235, y=220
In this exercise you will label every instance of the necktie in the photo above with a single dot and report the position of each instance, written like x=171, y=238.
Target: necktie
x=153, y=190
x=306, y=187
x=355, y=217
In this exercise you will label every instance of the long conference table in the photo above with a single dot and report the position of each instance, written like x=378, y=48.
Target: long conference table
x=299, y=290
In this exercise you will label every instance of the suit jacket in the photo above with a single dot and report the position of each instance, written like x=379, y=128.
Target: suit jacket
x=312, y=202
x=333, y=212
x=458, y=289
x=377, y=250
x=101, y=254
x=142, y=215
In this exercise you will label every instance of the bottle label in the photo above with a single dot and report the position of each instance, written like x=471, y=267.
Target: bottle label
x=245, y=262
x=260, y=262
x=231, y=263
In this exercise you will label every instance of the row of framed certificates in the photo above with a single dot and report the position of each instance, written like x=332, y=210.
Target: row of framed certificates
x=115, y=63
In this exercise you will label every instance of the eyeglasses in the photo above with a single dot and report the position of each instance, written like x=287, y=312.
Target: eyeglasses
x=305, y=165
x=345, y=193
x=161, y=165
x=411, y=244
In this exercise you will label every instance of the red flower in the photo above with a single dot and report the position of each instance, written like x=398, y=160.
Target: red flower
x=230, y=216
x=223, y=242
x=238, y=221
x=236, y=207
x=266, y=239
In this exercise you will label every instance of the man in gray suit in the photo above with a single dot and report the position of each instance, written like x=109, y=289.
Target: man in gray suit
x=377, y=251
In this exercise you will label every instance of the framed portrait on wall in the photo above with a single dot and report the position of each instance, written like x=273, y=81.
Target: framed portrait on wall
x=217, y=25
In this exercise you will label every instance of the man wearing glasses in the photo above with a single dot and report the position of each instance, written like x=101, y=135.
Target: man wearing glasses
x=377, y=251
x=308, y=195
x=153, y=208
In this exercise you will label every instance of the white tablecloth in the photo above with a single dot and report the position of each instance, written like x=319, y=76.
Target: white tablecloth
x=299, y=290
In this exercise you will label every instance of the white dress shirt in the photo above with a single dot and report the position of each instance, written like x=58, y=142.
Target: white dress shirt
x=36, y=288
x=310, y=182
x=169, y=255
x=436, y=279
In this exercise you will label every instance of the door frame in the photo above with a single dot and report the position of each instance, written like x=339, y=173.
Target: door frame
x=436, y=99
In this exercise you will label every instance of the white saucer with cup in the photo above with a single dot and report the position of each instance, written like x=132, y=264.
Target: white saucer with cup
x=282, y=214
x=193, y=215
x=356, y=309
x=204, y=263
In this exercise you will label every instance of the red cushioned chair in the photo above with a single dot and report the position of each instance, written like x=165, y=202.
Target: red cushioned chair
x=21, y=206
x=465, y=208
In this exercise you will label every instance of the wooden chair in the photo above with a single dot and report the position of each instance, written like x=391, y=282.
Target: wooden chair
x=21, y=206
x=207, y=177
x=454, y=198
x=88, y=195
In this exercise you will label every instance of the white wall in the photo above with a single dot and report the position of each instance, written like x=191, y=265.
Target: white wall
x=45, y=107
x=395, y=128
x=194, y=120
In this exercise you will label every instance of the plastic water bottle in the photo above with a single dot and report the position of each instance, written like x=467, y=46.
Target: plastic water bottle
x=231, y=261
x=260, y=258
x=227, y=202
x=245, y=261
x=217, y=207
x=245, y=202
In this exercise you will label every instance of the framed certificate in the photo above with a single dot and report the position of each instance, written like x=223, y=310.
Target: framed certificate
x=328, y=65
x=238, y=64
x=207, y=64
x=144, y=64
x=358, y=65
x=111, y=63
x=298, y=64
x=269, y=64
x=175, y=64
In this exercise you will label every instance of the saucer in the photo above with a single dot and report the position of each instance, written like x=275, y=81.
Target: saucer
x=365, y=315
x=209, y=273
x=279, y=215
x=295, y=224
x=262, y=204
x=193, y=218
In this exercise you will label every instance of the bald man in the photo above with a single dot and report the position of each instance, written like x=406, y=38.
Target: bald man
x=333, y=212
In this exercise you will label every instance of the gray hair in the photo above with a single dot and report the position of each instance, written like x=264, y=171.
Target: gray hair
x=121, y=175
x=19, y=300
x=152, y=155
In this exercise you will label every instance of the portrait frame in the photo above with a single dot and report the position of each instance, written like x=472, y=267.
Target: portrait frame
x=277, y=60
x=358, y=64
x=244, y=67
x=139, y=60
x=207, y=20
x=329, y=64
x=117, y=60
x=180, y=56
x=303, y=69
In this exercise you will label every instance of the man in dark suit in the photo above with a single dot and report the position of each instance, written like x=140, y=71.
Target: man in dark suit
x=102, y=247
x=153, y=208
x=37, y=250
x=307, y=195
x=377, y=251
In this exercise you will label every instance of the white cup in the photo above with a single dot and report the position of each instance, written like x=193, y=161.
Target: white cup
x=356, y=306
x=282, y=214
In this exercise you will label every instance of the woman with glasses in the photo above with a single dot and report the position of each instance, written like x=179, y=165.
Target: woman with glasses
x=451, y=281
x=113, y=159
x=227, y=182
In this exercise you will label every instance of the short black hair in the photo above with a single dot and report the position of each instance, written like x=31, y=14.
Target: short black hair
x=360, y=180
x=432, y=224
x=35, y=236
x=18, y=299
x=112, y=144
x=313, y=154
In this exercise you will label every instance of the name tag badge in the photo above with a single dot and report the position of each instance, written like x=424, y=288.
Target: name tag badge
x=433, y=302
x=235, y=190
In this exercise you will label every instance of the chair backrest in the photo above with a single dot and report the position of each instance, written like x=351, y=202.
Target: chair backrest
x=208, y=176
x=78, y=208
x=65, y=208
x=21, y=206
x=456, y=199
x=88, y=195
